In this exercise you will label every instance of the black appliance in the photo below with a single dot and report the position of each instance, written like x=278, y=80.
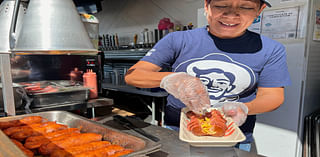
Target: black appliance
x=56, y=67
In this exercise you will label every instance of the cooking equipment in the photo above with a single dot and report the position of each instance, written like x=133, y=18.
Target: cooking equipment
x=209, y=141
x=141, y=146
x=66, y=93
x=127, y=124
x=17, y=95
x=6, y=13
x=52, y=27
x=8, y=10
x=59, y=67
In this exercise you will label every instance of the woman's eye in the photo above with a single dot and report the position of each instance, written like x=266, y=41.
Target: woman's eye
x=220, y=6
x=247, y=8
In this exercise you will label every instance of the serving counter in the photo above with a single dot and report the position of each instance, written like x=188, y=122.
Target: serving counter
x=169, y=143
x=171, y=146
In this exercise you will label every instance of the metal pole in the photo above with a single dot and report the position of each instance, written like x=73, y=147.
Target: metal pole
x=7, y=89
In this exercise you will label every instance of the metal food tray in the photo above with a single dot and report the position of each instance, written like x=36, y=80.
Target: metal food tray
x=141, y=146
x=67, y=94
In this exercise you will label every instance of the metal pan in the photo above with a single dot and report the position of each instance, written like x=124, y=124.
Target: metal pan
x=140, y=145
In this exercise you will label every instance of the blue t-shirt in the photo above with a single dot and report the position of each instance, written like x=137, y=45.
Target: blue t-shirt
x=228, y=76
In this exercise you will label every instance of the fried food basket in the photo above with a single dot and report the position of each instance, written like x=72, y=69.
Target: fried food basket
x=232, y=137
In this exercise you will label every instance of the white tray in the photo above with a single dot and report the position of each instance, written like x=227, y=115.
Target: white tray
x=232, y=137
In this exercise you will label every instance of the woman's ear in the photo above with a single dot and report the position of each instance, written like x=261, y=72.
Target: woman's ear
x=261, y=9
x=206, y=5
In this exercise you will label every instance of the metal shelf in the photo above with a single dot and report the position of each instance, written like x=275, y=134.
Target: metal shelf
x=133, y=90
x=131, y=54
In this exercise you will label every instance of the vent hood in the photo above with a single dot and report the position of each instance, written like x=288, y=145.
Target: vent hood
x=6, y=13
x=52, y=27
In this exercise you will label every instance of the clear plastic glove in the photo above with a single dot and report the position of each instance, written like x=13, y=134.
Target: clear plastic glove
x=188, y=89
x=236, y=110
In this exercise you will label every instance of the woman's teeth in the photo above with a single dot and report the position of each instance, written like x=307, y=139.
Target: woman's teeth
x=228, y=24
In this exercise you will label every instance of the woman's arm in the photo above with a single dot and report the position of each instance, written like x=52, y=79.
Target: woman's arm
x=267, y=99
x=145, y=75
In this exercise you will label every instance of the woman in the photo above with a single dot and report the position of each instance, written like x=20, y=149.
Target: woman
x=223, y=62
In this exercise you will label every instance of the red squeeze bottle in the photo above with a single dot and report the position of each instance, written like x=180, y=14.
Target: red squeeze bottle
x=90, y=80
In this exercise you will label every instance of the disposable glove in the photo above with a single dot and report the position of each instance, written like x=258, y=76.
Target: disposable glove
x=188, y=89
x=236, y=110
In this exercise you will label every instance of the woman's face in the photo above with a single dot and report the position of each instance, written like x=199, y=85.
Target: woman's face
x=230, y=18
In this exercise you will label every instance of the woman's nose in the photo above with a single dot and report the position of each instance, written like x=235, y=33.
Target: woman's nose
x=231, y=11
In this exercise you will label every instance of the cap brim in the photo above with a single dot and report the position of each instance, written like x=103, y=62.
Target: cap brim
x=267, y=3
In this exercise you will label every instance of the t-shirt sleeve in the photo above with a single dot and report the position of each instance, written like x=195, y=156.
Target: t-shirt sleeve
x=275, y=72
x=164, y=52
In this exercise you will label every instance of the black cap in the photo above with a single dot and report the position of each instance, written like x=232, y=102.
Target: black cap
x=263, y=1
x=267, y=3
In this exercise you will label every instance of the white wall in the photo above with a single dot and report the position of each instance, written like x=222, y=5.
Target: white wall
x=279, y=133
x=129, y=17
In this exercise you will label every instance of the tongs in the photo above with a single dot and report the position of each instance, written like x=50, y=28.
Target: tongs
x=127, y=124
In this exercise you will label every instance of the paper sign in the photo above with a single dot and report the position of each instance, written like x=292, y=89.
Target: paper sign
x=281, y=23
x=316, y=31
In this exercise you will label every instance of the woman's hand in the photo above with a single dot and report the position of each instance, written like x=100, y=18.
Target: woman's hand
x=236, y=110
x=188, y=89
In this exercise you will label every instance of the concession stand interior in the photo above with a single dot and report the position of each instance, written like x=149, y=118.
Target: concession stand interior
x=63, y=92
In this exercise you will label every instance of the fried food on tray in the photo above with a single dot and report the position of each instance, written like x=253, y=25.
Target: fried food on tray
x=106, y=151
x=13, y=130
x=32, y=119
x=26, y=151
x=52, y=135
x=38, y=136
x=23, y=121
x=40, y=130
x=37, y=144
x=71, y=151
x=124, y=152
x=80, y=139
x=12, y=123
x=212, y=124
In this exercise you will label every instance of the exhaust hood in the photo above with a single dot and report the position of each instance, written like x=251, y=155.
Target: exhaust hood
x=52, y=27
x=6, y=13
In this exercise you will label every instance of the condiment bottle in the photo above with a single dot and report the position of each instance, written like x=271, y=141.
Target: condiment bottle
x=90, y=80
x=75, y=76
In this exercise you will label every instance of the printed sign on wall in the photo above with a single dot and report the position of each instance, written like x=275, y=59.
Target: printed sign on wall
x=316, y=31
x=280, y=23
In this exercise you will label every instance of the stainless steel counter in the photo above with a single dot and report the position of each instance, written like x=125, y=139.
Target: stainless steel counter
x=172, y=146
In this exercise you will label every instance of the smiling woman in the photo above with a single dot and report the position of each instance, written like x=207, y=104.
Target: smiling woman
x=231, y=18
x=222, y=62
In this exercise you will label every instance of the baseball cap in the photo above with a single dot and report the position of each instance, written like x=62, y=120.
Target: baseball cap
x=267, y=3
x=263, y=1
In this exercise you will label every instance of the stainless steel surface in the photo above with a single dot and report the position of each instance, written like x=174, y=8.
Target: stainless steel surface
x=141, y=146
x=127, y=124
x=173, y=147
x=17, y=96
x=6, y=13
x=7, y=89
x=53, y=27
